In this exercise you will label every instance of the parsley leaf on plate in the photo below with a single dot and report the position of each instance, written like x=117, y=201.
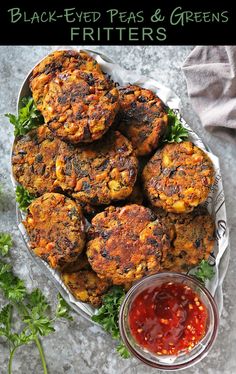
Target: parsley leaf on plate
x=108, y=314
x=176, y=132
x=28, y=117
x=204, y=271
x=23, y=198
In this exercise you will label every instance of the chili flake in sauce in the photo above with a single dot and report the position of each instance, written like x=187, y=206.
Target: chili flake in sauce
x=168, y=319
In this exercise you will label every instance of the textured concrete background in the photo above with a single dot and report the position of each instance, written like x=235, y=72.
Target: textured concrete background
x=79, y=346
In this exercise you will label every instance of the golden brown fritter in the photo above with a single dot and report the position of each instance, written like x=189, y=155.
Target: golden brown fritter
x=33, y=160
x=86, y=286
x=56, y=229
x=55, y=62
x=143, y=118
x=126, y=243
x=178, y=177
x=80, y=106
x=100, y=172
x=66, y=59
x=192, y=237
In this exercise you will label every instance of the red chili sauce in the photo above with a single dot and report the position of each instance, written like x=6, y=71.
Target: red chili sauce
x=168, y=319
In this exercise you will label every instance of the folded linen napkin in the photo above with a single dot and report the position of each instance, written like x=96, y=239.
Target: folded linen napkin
x=210, y=72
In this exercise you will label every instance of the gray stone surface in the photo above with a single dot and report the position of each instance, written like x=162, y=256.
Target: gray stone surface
x=79, y=346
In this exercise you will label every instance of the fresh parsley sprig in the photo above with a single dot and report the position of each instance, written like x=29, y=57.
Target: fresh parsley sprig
x=23, y=198
x=204, y=271
x=33, y=310
x=176, y=132
x=12, y=287
x=14, y=340
x=28, y=117
x=63, y=309
x=5, y=243
x=108, y=314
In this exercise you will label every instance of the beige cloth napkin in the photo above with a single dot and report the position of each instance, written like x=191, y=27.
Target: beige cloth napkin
x=210, y=73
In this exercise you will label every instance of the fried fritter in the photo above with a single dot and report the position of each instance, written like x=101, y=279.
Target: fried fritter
x=83, y=282
x=178, y=177
x=55, y=62
x=100, y=172
x=126, y=243
x=56, y=229
x=33, y=160
x=192, y=237
x=80, y=106
x=143, y=118
x=66, y=59
x=86, y=286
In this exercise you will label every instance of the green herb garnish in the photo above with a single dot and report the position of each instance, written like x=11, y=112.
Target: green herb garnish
x=5, y=243
x=63, y=309
x=123, y=351
x=28, y=117
x=176, y=132
x=23, y=198
x=33, y=311
x=204, y=271
x=12, y=287
x=108, y=314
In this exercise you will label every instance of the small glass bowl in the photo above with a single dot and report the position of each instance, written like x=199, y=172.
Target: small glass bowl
x=185, y=359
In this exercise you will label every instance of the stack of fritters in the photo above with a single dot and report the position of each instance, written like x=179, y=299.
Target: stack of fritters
x=92, y=149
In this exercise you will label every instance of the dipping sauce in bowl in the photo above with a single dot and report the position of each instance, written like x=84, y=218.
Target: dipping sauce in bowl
x=169, y=321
